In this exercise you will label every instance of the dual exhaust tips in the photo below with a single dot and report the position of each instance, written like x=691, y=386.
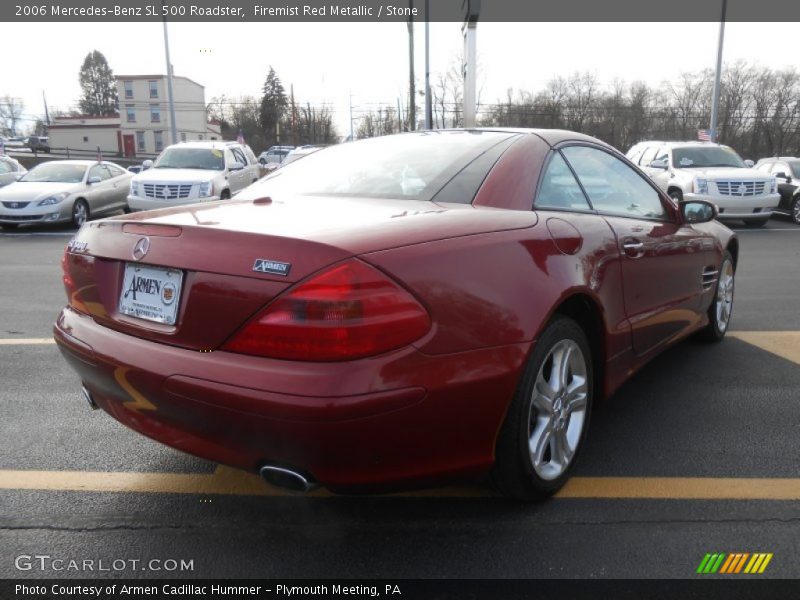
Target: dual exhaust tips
x=281, y=477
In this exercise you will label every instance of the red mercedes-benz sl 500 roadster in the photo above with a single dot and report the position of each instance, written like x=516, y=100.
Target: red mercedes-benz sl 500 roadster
x=395, y=312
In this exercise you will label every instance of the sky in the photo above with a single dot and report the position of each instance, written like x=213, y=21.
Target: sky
x=330, y=63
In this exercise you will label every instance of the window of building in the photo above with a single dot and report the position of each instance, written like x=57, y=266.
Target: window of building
x=155, y=113
x=153, y=88
x=200, y=137
x=159, y=137
x=140, y=141
x=128, y=89
x=86, y=138
x=183, y=136
x=130, y=111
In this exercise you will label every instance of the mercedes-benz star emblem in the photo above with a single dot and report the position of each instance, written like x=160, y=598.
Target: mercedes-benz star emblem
x=141, y=248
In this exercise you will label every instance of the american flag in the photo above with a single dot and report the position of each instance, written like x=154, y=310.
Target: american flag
x=703, y=135
x=240, y=138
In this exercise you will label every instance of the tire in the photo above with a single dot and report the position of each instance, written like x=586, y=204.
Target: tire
x=225, y=195
x=754, y=223
x=553, y=421
x=80, y=212
x=794, y=212
x=676, y=195
x=719, y=313
x=126, y=209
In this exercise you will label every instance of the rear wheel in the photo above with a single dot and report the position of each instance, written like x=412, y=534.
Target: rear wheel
x=225, y=195
x=80, y=212
x=549, y=415
x=719, y=313
x=795, y=211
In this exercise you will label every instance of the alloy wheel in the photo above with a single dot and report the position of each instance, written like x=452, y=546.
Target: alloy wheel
x=724, y=300
x=557, y=410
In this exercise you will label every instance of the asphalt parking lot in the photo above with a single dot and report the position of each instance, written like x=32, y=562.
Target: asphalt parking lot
x=697, y=454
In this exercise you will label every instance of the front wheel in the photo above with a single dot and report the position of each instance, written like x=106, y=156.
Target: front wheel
x=719, y=313
x=796, y=209
x=80, y=212
x=549, y=415
x=676, y=195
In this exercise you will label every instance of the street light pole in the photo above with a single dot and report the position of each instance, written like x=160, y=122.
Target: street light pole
x=428, y=102
x=715, y=98
x=470, y=67
x=170, y=99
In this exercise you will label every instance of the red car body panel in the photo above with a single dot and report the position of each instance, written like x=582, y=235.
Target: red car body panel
x=491, y=274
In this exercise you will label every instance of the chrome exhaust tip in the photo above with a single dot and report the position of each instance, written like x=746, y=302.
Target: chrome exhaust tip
x=286, y=478
x=87, y=395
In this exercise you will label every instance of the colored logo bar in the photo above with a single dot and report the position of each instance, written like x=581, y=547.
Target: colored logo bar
x=741, y=562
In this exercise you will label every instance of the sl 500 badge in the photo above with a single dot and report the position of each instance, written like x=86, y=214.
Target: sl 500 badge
x=274, y=267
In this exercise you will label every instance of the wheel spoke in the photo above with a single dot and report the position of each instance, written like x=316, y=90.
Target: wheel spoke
x=543, y=396
x=539, y=442
x=560, y=451
x=561, y=367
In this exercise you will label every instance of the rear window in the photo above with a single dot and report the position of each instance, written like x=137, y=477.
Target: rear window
x=412, y=166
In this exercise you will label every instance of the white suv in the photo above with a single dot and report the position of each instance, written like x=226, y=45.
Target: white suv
x=711, y=172
x=192, y=172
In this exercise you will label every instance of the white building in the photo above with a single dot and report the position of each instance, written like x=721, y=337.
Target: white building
x=143, y=127
x=144, y=113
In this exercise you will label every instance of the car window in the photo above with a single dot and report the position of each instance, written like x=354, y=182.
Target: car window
x=780, y=168
x=99, y=171
x=706, y=156
x=238, y=156
x=6, y=167
x=177, y=157
x=647, y=156
x=115, y=171
x=795, y=166
x=662, y=153
x=559, y=189
x=613, y=187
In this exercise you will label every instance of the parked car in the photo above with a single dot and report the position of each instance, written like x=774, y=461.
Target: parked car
x=396, y=311
x=38, y=143
x=274, y=155
x=64, y=190
x=10, y=170
x=786, y=169
x=192, y=172
x=713, y=172
x=300, y=152
x=15, y=142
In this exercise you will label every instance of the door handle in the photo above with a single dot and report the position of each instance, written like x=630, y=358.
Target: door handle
x=633, y=247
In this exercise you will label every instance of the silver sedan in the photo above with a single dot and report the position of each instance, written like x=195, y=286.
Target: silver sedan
x=10, y=170
x=65, y=191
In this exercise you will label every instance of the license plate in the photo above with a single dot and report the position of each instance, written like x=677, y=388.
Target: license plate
x=151, y=293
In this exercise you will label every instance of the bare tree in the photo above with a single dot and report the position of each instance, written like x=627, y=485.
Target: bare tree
x=10, y=113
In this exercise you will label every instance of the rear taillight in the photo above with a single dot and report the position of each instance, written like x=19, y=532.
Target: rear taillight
x=69, y=284
x=349, y=311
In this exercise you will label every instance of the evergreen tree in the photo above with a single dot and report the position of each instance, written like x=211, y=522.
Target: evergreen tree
x=273, y=106
x=98, y=87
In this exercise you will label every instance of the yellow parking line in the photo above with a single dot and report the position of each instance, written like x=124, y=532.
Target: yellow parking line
x=226, y=481
x=785, y=344
x=26, y=341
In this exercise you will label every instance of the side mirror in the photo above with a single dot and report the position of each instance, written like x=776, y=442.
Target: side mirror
x=93, y=179
x=783, y=175
x=749, y=163
x=237, y=166
x=659, y=164
x=148, y=164
x=698, y=211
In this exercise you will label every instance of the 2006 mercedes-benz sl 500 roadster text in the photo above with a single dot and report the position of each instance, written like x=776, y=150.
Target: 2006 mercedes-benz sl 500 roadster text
x=395, y=312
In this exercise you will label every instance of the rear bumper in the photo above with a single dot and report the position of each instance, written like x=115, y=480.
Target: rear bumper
x=398, y=420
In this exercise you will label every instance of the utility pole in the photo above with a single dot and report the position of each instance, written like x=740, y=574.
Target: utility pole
x=46, y=112
x=470, y=67
x=399, y=117
x=170, y=99
x=412, y=101
x=351, y=118
x=428, y=101
x=294, y=117
x=715, y=98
